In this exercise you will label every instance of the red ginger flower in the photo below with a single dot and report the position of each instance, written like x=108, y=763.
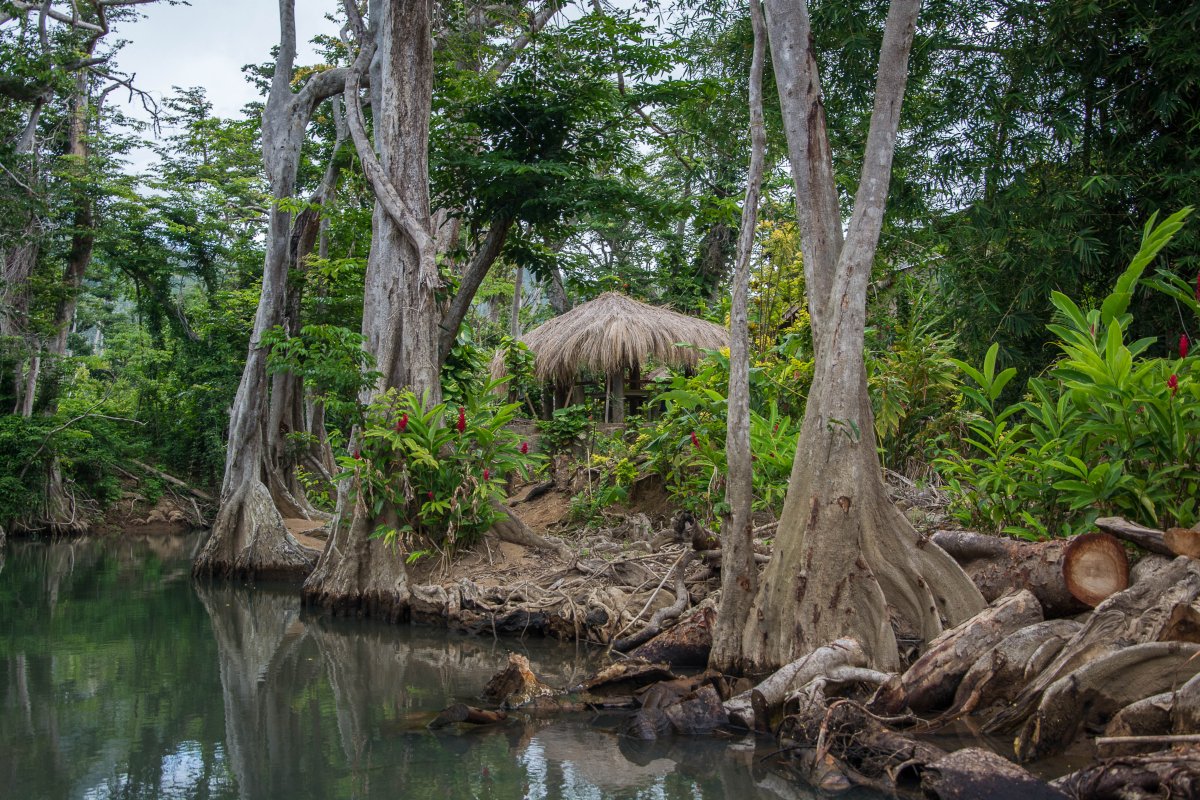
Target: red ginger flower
x=695, y=441
x=462, y=419
x=357, y=455
x=1173, y=383
x=1184, y=345
x=524, y=448
x=487, y=474
x=402, y=423
x=430, y=495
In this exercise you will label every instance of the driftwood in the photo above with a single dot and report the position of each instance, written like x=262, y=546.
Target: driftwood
x=999, y=566
x=461, y=712
x=975, y=774
x=930, y=683
x=516, y=685
x=1135, y=616
x=1172, y=774
x=1093, y=693
x=998, y=676
x=822, y=661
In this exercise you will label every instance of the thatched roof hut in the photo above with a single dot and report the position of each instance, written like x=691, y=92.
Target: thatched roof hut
x=613, y=334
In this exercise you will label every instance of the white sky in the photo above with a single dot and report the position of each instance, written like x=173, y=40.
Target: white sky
x=206, y=44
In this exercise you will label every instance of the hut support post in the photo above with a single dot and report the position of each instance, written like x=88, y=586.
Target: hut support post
x=616, y=398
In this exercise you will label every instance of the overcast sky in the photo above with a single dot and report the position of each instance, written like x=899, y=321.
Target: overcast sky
x=207, y=43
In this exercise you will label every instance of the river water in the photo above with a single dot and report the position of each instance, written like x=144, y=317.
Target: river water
x=123, y=678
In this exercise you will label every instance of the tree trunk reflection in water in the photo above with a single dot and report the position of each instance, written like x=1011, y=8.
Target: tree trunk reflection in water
x=264, y=663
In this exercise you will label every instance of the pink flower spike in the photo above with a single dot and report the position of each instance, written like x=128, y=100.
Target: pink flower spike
x=487, y=474
x=695, y=440
x=1184, y=345
x=1173, y=384
x=402, y=423
x=462, y=419
x=524, y=448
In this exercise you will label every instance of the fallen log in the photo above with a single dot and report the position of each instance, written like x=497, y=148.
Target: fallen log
x=822, y=661
x=1145, y=538
x=516, y=685
x=1092, y=694
x=1137, y=615
x=999, y=566
x=686, y=644
x=176, y=482
x=996, y=677
x=1150, y=716
x=461, y=712
x=1169, y=774
x=510, y=528
x=930, y=683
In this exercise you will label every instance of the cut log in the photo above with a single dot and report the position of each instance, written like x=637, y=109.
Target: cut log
x=1092, y=694
x=999, y=566
x=998, y=676
x=976, y=774
x=930, y=683
x=687, y=644
x=1171, y=774
x=1145, y=538
x=823, y=660
x=1137, y=615
x=1095, y=568
x=1183, y=542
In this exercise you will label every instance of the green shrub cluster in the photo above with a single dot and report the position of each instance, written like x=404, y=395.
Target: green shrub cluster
x=1109, y=430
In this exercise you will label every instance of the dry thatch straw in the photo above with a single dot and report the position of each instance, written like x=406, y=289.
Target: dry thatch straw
x=613, y=333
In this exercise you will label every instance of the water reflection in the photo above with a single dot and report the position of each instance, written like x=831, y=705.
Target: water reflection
x=122, y=678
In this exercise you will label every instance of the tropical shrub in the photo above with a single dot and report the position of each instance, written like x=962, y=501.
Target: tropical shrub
x=435, y=474
x=1110, y=430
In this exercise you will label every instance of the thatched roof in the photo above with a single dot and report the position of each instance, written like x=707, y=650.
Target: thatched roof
x=614, y=332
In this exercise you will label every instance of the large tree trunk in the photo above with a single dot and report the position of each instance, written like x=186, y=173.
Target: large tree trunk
x=357, y=573
x=248, y=538
x=739, y=575
x=846, y=562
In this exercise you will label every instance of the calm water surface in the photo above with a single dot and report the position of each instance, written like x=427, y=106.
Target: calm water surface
x=122, y=678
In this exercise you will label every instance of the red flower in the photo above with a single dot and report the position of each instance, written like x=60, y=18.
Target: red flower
x=524, y=448
x=430, y=495
x=1198, y=286
x=695, y=441
x=462, y=419
x=402, y=423
x=357, y=455
x=1173, y=383
x=487, y=474
x=1183, y=345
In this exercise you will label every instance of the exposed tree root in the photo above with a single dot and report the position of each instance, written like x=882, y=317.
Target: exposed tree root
x=1170, y=774
x=998, y=676
x=930, y=683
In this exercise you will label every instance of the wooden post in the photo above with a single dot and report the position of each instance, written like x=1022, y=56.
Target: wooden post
x=616, y=383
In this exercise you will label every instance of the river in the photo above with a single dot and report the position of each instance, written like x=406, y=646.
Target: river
x=124, y=678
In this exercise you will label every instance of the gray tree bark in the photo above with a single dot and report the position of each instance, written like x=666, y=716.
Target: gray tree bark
x=248, y=538
x=357, y=573
x=739, y=575
x=846, y=563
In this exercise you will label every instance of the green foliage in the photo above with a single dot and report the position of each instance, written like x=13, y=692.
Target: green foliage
x=1111, y=430
x=329, y=359
x=567, y=428
x=433, y=475
x=913, y=384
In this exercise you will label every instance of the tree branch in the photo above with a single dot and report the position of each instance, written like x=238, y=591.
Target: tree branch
x=472, y=277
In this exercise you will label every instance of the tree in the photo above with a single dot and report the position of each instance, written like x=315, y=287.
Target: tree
x=400, y=310
x=248, y=536
x=846, y=562
x=739, y=575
